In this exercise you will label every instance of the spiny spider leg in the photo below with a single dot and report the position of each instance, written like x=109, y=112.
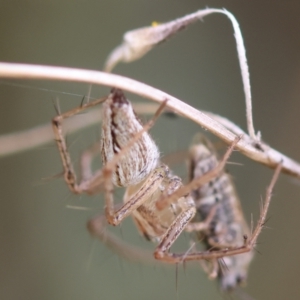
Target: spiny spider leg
x=219, y=222
x=248, y=243
x=195, y=183
x=69, y=173
x=182, y=221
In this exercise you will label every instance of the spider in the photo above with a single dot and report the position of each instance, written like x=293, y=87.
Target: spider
x=160, y=205
x=225, y=226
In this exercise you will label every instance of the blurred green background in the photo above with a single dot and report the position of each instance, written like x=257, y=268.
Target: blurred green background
x=46, y=252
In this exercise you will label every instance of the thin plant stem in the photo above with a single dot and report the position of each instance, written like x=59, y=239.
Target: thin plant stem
x=261, y=152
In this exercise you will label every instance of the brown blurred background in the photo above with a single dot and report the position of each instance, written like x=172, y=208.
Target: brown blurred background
x=46, y=252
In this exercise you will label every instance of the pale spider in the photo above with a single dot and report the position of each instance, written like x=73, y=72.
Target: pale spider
x=158, y=202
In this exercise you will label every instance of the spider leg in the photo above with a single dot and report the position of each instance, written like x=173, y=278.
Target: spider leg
x=163, y=254
x=195, y=183
x=69, y=173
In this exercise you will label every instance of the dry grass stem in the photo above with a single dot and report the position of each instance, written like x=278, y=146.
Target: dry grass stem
x=258, y=152
x=138, y=42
